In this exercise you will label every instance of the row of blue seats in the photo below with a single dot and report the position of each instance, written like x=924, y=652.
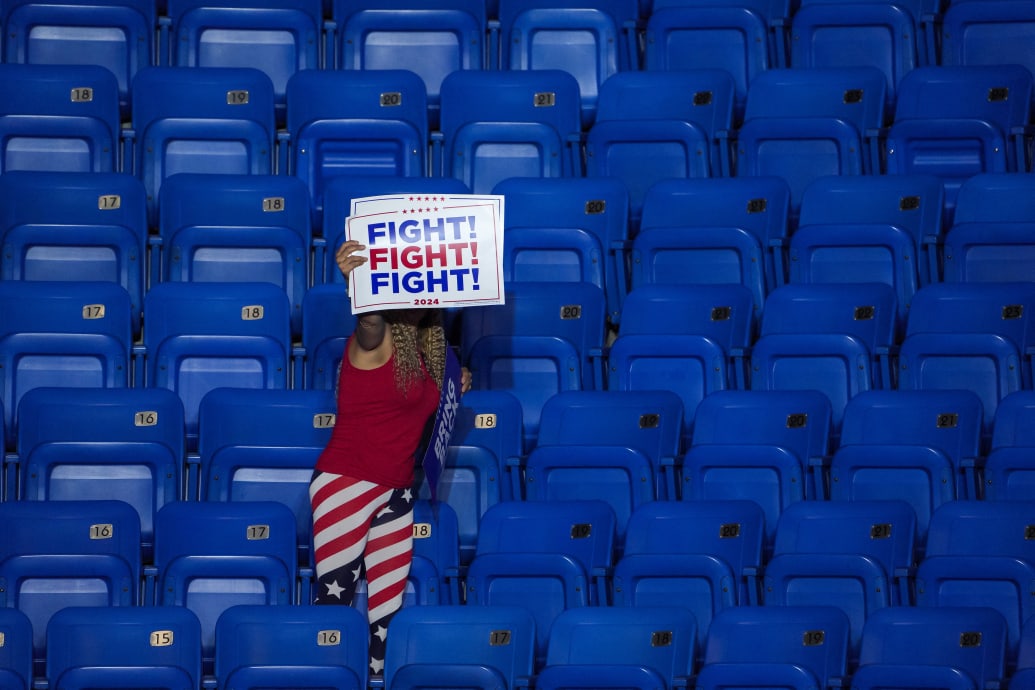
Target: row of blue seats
x=854, y=556
x=491, y=646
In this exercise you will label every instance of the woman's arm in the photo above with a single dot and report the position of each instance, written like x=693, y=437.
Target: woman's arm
x=370, y=328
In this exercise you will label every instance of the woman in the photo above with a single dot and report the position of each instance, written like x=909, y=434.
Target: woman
x=362, y=491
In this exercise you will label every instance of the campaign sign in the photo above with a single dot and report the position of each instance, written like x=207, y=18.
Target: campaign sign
x=427, y=251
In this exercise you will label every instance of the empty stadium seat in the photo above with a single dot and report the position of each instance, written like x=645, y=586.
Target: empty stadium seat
x=90, y=647
x=210, y=556
x=790, y=646
x=202, y=336
x=1022, y=675
x=948, y=647
x=291, y=646
x=1008, y=470
x=65, y=119
x=125, y=444
x=805, y=123
x=16, y=672
x=568, y=229
x=957, y=121
x=514, y=123
x=561, y=550
x=870, y=228
x=429, y=38
x=855, y=555
x=477, y=646
x=590, y=39
x=75, y=226
x=488, y=419
x=327, y=322
x=227, y=228
x=279, y=37
x=212, y=120
x=116, y=34
x=743, y=37
x=620, y=647
x=69, y=334
x=660, y=124
x=716, y=230
x=67, y=553
x=354, y=123
x=648, y=421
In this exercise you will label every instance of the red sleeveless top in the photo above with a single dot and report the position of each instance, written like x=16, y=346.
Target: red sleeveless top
x=378, y=428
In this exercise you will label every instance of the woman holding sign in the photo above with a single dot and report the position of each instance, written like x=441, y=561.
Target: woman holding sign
x=362, y=492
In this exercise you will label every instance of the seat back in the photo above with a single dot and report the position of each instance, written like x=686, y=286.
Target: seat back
x=65, y=119
x=327, y=323
x=227, y=228
x=68, y=553
x=102, y=444
x=355, y=123
x=161, y=644
x=213, y=120
x=116, y=34
x=279, y=37
x=429, y=38
x=16, y=671
x=202, y=336
x=69, y=334
x=309, y=646
x=514, y=123
x=70, y=226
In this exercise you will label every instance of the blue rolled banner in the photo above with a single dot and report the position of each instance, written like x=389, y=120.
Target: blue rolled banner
x=442, y=430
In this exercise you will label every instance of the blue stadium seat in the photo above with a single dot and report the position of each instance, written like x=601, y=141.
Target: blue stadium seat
x=992, y=237
x=338, y=195
x=89, y=647
x=75, y=226
x=67, y=553
x=620, y=647
x=804, y=123
x=354, y=123
x=429, y=38
x=799, y=647
x=466, y=646
x=716, y=230
x=655, y=125
x=213, y=120
x=648, y=421
x=568, y=229
x=298, y=647
x=69, y=334
x=514, y=123
x=561, y=550
x=210, y=556
x=279, y=37
x=975, y=336
x=979, y=553
x=957, y=121
x=16, y=653
x=835, y=338
x=262, y=445
x=590, y=39
x=227, y=228
x=1022, y=676
x=855, y=555
x=797, y=421
x=943, y=647
x=890, y=36
x=327, y=322
x=65, y=119
x=116, y=34
x=547, y=338
x=201, y=336
x=743, y=37
x=706, y=555
x=870, y=228
x=491, y=419
x=124, y=444
x=1009, y=470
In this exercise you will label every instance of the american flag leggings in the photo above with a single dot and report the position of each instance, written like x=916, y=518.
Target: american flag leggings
x=361, y=528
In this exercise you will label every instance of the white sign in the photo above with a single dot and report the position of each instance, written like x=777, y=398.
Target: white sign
x=427, y=251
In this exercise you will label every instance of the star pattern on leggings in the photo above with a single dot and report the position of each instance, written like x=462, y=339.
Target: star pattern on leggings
x=334, y=589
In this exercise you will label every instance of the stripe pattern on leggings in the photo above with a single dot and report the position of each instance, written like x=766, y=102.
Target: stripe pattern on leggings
x=361, y=527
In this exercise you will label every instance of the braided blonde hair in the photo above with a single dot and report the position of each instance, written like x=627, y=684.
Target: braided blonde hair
x=414, y=342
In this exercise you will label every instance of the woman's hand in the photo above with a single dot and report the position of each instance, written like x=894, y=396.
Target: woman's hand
x=347, y=258
x=465, y=380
